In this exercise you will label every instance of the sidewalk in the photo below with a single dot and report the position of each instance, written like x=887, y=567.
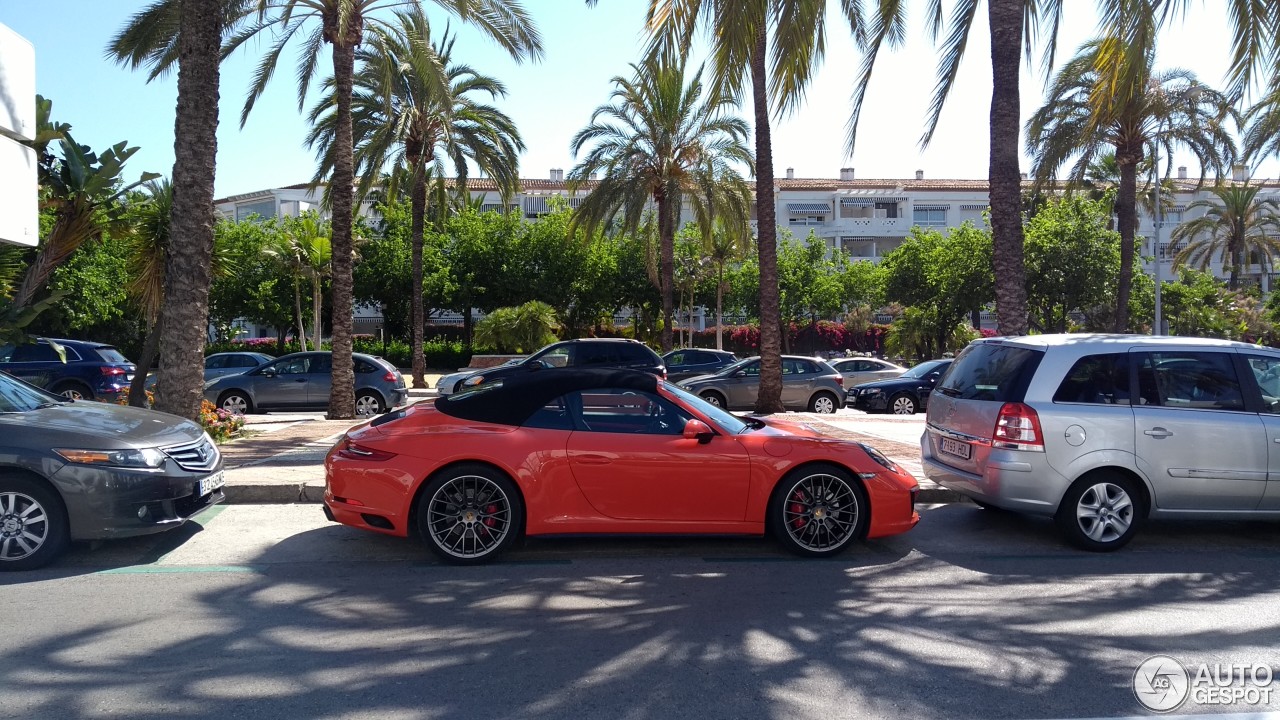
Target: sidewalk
x=281, y=460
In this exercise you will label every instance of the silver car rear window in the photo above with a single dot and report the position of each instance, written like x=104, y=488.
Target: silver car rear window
x=991, y=371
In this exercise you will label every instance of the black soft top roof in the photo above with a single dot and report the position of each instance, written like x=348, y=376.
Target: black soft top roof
x=512, y=399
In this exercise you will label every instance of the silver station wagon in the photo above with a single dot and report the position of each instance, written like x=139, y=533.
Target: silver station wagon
x=1104, y=431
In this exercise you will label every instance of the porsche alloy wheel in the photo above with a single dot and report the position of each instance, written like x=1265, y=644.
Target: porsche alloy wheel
x=470, y=514
x=819, y=510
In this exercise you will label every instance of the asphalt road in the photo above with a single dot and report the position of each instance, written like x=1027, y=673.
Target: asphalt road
x=270, y=612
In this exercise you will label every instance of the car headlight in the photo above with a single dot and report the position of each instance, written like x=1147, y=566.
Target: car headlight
x=210, y=383
x=473, y=381
x=872, y=391
x=145, y=458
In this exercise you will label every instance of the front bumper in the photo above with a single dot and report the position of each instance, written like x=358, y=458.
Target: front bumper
x=865, y=402
x=117, y=502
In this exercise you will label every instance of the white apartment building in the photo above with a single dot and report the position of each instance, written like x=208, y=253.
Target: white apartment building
x=863, y=218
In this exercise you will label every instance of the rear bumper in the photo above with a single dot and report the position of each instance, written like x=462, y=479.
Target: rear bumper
x=1012, y=480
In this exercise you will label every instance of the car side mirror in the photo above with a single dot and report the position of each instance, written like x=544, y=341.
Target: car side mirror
x=698, y=430
x=739, y=373
x=267, y=372
x=932, y=377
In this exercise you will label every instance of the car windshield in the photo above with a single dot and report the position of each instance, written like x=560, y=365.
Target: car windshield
x=17, y=396
x=730, y=423
x=923, y=369
x=731, y=369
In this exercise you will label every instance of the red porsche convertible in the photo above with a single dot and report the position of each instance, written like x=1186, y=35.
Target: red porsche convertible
x=573, y=451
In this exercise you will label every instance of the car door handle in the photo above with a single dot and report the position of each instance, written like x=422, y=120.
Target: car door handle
x=594, y=459
x=1157, y=432
x=300, y=380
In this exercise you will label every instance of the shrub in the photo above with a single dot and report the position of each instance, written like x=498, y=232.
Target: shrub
x=220, y=424
x=519, y=329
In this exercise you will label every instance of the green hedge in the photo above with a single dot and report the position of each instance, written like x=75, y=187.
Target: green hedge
x=441, y=354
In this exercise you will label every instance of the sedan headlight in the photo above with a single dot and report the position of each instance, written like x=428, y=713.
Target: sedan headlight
x=145, y=458
x=872, y=391
x=473, y=381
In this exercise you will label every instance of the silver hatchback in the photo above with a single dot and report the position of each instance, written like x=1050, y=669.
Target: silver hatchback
x=1104, y=431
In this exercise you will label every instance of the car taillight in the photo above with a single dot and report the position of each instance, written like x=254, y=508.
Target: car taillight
x=840, y=380
x=1018, y=428
x=353, y=451
x=389, y=377
x=112, y=370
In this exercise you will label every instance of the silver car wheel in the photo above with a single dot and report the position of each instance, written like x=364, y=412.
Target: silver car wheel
x=24, y=526
x=368, y=405
x=469, y=516
x=1104, y=512
x=903, y=405
x=72, y=394
x=824, y=404
x=712, y=399
x=821, y=512
x=236, y=404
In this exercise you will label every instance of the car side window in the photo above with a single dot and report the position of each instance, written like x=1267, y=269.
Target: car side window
x=1266, y=372
x=552, y=416
x=215, y=363
x=751, y=369
x=681, y=358
x=36, y=352
x=6, y=352
x=1195, y=380
x=363, y=367
x=559, y=357
x=244, y=361
x=296, y=366
x=1096, y=379
x=631, y=412
x=321, y=364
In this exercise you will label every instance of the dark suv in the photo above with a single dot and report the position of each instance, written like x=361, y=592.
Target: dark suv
x=92, y=371
x=584, y=352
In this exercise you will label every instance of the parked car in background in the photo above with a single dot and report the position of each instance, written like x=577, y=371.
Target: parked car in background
x=1102, y=432
x=301, y=381
x=808, y=384
x=860, y=370
x=222, y=364
x=88, y=471
x=471, y=473
x=583, y=352
x=91, y=371
x=684, y=363
x=447, y=384
x=906, y=394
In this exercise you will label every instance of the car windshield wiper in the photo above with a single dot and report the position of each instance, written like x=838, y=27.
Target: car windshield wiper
x=753, y=422
x=50, y=403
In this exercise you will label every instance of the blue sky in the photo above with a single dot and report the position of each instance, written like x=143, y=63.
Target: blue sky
x=550, y=101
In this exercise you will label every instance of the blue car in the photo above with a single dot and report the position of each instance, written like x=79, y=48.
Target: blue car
x=92, y=371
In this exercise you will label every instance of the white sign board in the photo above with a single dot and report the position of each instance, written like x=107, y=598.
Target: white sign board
x=19, y=216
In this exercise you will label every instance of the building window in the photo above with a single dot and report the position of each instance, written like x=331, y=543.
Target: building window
x=265, y=209
x=929, y=216
x=807, y=220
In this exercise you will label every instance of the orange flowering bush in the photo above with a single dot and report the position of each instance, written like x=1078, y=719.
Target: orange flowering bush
x=221, y=425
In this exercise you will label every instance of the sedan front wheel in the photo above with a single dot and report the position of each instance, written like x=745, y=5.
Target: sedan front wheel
x=33, y=524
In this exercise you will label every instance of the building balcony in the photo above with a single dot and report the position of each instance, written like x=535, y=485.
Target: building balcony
x=877, y=227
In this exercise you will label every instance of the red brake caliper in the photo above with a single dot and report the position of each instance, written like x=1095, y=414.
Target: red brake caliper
x=490, y=509
x=797, y=508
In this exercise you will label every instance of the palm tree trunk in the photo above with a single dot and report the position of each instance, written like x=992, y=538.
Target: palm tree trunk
x=317, y=311
x=418, y=209
x=150, y=347
x=1237, y=259
x=769, y=398
x=342, y=399
x=720, y=308
x=666, y=265
x=297, y=306
x=184, y=317
x=1005, y=17
x=1127, y=215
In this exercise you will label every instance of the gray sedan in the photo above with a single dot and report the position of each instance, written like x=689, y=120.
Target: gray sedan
x=807, y=384
x=860, y=370
x=86, y=471
x=301, y=381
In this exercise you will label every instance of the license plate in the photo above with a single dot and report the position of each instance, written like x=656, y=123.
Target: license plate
x=211, y=483
x=955, y=447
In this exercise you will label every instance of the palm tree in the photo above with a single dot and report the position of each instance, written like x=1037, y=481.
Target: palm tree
x=724, y=247
x=1130, y=27
x=152, y=38
x=309, y=244
x=741, y=56
x=189, y=33
x=1172, y=108
x=660, y=140
x=1262, y=134
x=413, y=108
x=1237, y=226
